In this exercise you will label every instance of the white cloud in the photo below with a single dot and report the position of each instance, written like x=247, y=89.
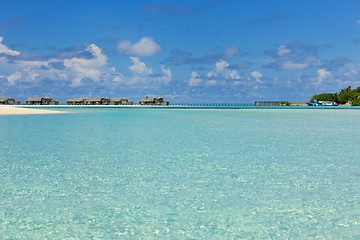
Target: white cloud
x=100, y=57
x=283, y=50
x=223, y=71
x=145, y=47
x=195, y=79
x=166, y=71
x=322, y=74
x=83, y=68
x=300, y=63
x=219, y=75
x=139, y=67
x=145, y=76
x=30, y=74
x=7, y=51
x=294, y=56
x=232, y=74
x=257, y=75
x=221, y=65
x=166, y=75
x=73, y=70
x=211, y=74
x=350, y=73
x=118, y=78
x=14, y=77
x=26, y=74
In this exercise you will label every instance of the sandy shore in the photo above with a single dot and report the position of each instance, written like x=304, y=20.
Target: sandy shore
x=12, y=110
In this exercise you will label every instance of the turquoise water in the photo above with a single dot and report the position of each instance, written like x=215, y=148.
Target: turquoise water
x=181, y=174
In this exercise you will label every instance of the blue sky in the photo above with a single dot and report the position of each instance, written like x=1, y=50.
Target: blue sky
x=187, y=51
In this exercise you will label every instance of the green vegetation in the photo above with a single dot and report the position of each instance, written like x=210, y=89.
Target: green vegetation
x=343, y=96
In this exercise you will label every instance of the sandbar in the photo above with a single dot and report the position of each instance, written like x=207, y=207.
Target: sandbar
x=12, y=110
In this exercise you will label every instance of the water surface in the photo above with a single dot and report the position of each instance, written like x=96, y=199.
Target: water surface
x=162, y=173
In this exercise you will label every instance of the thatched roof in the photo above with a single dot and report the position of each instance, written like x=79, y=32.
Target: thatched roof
x=147, y=99
x=97, y=99
x=76, y=99
x=6, y=98
x=119, y=99
x=33, y=99
x=37, y=99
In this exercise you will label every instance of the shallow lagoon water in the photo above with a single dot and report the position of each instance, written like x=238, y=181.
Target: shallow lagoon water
x=138, y=173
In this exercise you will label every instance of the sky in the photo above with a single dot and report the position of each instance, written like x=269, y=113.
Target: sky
x=204, y=51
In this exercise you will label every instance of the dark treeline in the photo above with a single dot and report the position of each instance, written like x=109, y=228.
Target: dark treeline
x=342, y=97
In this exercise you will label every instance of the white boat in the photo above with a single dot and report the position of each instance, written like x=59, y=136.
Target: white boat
x=315, y=102
x=328, y=103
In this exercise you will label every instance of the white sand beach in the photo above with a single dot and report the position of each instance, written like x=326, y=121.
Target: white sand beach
x=16, y=110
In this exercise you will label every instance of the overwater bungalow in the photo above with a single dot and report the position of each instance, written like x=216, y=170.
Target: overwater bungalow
x=120, y=101
x=41, y=101
x=8, y=101
x=76, y=101
x=97, y=101
x=158, y=101
x=146, y=101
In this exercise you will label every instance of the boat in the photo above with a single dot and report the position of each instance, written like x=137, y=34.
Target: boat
x=315, y=102
x=328, y=103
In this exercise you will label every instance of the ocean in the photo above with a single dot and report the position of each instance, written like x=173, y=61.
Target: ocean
x=167, y=173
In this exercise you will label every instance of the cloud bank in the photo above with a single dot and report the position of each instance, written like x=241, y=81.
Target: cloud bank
x=220, y=75
x=79, y=67
x=294, y=56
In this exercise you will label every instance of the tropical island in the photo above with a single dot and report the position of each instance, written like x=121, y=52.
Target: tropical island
x=346, y=96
